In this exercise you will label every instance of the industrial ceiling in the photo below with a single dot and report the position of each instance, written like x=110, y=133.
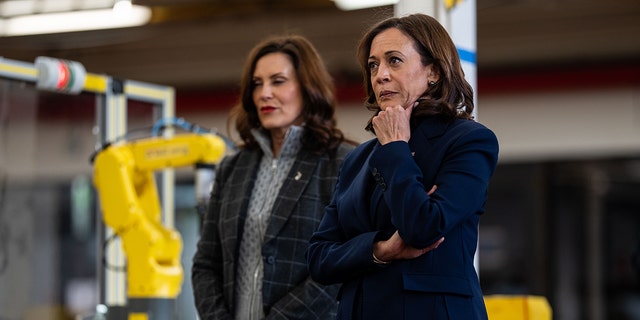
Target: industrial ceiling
x=203, y=43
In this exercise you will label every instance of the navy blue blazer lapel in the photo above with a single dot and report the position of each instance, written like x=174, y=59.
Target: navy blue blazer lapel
x=424, y=136
x=363, y=192
x=291, y=191
x=377, y=192
x=431, y=127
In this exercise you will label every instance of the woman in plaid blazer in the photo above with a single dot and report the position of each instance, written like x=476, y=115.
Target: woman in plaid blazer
x=269, y=198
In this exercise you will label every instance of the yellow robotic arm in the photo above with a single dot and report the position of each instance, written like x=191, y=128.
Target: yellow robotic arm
x=124, y=179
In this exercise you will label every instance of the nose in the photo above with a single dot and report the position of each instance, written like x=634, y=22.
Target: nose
x=382, y=74
x=265, y=92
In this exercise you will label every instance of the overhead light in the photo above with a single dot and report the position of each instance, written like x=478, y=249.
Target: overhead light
x=347, y=5
x=122, y=6
x=79, y=20
x=9, y=8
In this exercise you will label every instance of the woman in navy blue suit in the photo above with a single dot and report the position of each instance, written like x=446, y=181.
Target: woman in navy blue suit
x=401, y=231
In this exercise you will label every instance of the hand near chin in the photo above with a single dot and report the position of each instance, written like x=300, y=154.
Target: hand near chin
x=392, y=124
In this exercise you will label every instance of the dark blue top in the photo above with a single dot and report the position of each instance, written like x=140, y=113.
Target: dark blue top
x=382, y=189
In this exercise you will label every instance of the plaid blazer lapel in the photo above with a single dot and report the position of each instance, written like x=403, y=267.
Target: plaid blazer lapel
x=235, y=211
x=291, y=191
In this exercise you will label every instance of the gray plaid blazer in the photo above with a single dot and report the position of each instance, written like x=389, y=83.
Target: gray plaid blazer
x=288, y=291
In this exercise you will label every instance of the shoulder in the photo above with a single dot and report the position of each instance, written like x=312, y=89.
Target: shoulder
x=360, y=152
x=329, y=162
x=472, y=135
x=344, y=149
x=473, y=129
x=436, y=127
x=230, y=159
x=335, y=155
x=241, y=158
x=366, y=146
x=468, y=124
x=459, y=134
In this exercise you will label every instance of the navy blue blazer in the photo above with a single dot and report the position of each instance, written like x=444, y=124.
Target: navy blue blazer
x=382, y=189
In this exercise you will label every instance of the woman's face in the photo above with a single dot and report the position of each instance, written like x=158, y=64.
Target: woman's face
x=397, y=74
x=276, y=92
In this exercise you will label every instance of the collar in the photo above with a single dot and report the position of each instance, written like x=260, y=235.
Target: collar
x=290, y=147
x=432, y=126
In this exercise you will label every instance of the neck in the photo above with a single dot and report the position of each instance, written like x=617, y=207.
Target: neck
x=277, y=139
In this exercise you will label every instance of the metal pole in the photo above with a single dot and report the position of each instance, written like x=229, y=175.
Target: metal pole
x=596, y=189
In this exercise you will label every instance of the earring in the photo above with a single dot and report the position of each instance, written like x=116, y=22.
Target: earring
x=432, y=83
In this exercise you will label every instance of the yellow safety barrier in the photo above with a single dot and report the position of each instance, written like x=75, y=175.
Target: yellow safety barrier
x=518, y=307
x=138, y=316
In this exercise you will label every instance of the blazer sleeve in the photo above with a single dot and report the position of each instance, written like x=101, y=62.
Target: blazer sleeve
x=466, y=163
x=207, y=270
x=333, y=259
x=331, y=256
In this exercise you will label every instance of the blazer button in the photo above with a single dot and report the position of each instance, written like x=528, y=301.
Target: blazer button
x=271, y=260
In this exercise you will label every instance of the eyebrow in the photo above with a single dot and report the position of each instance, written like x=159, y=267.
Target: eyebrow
x=275, y=75
x=387, y=53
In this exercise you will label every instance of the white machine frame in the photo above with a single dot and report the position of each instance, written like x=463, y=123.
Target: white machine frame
x=111, y=121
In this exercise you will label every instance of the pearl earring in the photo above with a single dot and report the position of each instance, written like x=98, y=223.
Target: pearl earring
x=432, y=83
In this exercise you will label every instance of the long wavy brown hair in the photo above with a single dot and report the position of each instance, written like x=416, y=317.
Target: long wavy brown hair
x=318, y=94
x=450, y=97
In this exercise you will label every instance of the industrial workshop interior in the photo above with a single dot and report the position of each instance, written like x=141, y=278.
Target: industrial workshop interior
x=558, y=81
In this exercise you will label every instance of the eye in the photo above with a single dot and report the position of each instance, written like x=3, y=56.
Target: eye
x=279, y=80
x=394, y=60
x=256, y=83
x=372, y=65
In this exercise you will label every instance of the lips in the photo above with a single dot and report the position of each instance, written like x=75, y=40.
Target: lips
x=385, y=94
x=267, y=109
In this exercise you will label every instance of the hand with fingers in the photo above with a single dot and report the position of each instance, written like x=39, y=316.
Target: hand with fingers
x=392, y=124
x=395, y=248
